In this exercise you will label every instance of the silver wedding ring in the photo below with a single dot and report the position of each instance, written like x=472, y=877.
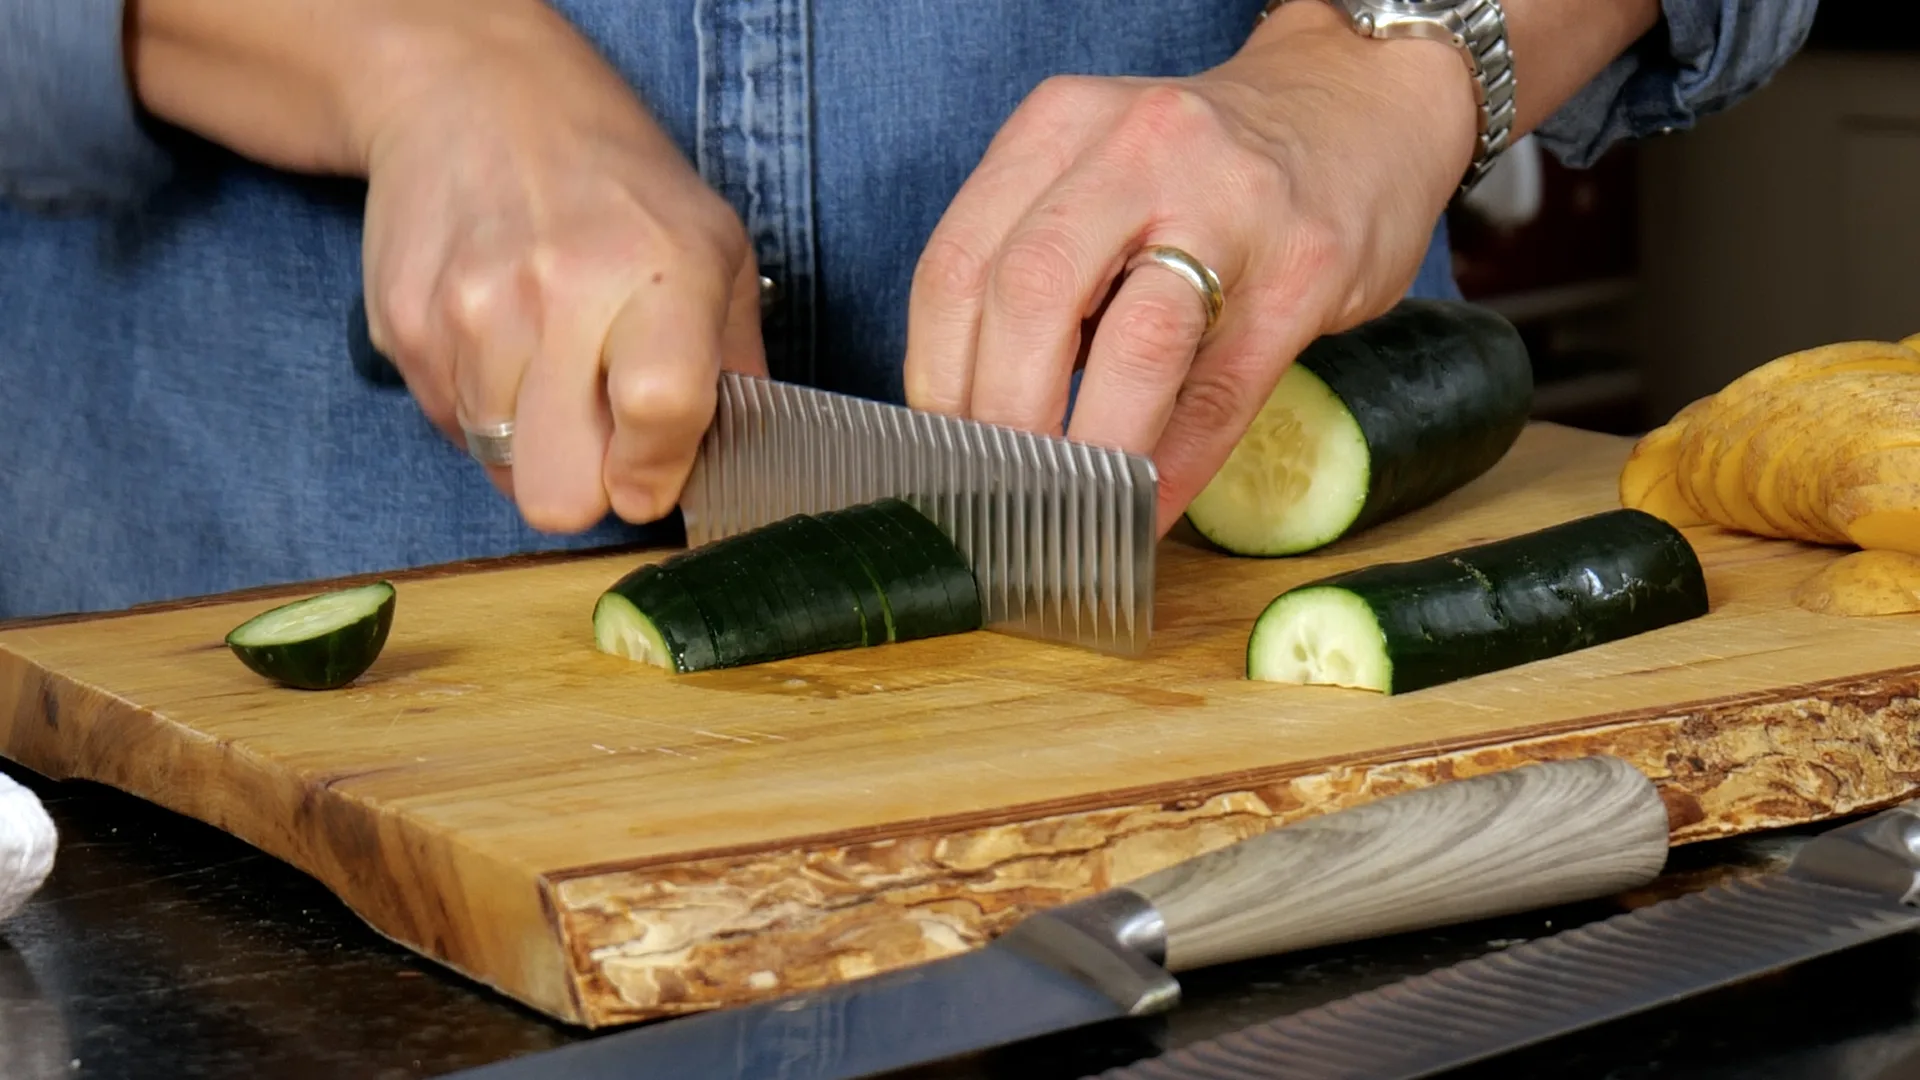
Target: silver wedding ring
x=490, y=444
x=1191, y=270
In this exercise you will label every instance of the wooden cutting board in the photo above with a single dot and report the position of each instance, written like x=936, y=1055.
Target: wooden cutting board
x=608, y=843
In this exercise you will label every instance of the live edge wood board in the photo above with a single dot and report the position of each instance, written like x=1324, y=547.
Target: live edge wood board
x=608, y=843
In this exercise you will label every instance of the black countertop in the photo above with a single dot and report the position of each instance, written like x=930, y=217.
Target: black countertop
x=162, y=948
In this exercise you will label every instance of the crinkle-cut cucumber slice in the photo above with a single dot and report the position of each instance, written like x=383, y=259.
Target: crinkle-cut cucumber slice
x=320, y=643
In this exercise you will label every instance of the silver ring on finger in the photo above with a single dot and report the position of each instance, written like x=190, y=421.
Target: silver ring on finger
x=490, y=444
x=1189, y=269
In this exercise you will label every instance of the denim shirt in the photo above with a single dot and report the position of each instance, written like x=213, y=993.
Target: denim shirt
x=178, y=414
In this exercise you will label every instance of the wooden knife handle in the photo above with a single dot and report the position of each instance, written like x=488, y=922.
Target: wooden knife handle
x=1516, y=840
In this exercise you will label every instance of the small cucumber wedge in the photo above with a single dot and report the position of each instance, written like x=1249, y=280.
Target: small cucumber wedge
x=866, y=575
x=320, y=643
x=1399, y=627
x=619, y=628
x=1368, y=425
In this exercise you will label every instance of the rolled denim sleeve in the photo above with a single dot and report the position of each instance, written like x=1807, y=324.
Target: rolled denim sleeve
x=70, y=133
x=1706, y=55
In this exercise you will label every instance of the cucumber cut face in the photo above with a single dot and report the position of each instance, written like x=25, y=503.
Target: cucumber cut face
x=1323, y=636
x=1296, y=480
x=621, y=630
x=320, y=643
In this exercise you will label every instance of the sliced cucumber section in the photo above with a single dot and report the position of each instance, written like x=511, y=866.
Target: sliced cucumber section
x=1400, y=627
x=949, y=565
x=1368, y=425
x=929, y=588
x=320, y=643
x=863, y=576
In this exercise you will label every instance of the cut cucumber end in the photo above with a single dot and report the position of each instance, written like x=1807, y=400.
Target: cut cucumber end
x=1296, y=480
x=621, y=630
x=319, y=643
x=1320, y=636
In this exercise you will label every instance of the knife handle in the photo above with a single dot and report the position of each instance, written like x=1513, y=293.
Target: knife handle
x=1517, y=840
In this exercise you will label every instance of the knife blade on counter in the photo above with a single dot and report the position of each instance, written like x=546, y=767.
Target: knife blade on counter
x=1846, y=887
x=1524, y=838
x=1061, y=535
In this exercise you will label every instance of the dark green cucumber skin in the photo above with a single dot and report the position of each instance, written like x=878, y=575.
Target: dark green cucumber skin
x=1441, y=390
x=822, y=555
x=326, y=663
x=861, y=576
x=962, y=588
x=929, y=587
x=1542, y=594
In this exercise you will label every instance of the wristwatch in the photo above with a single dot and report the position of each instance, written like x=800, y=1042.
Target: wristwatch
x=1478, y=28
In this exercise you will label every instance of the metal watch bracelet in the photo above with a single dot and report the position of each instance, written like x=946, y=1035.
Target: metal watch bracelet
x=1478, y=29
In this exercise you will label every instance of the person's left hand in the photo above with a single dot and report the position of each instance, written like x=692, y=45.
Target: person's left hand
x=1307, y=173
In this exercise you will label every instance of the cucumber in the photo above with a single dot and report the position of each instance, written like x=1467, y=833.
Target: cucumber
x=1400, y=627
x=1370, y=424
x=862, y=576
x=322, y=642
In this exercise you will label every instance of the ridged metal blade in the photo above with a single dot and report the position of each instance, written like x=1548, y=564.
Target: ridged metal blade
x=1579, y=978
x=1060, y=534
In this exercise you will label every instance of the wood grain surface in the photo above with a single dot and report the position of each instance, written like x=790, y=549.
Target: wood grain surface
x=608, y=843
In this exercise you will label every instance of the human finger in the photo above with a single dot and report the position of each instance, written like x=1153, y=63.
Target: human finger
x=401, y=326
x=662, y=357
x=1054, y=269
x=1143, y=347
x=562, y=425
x=1036, y=145
x=490, y=323
x=742, y=345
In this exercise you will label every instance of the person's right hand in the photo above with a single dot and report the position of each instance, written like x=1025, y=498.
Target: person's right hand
x=537, y=250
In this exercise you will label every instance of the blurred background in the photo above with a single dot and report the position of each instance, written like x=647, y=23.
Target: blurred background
x=1677, y=263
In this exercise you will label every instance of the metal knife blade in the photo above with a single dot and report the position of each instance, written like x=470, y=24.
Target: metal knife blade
x=1456, y=850
x=1847, y=887
x=1061, y=535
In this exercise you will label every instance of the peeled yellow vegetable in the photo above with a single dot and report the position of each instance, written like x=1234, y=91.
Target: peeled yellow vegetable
x=1864, y=583
x=1820, y=446
x=1647, y=481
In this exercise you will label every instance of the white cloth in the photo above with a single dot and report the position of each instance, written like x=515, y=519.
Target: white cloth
x=27, y=842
